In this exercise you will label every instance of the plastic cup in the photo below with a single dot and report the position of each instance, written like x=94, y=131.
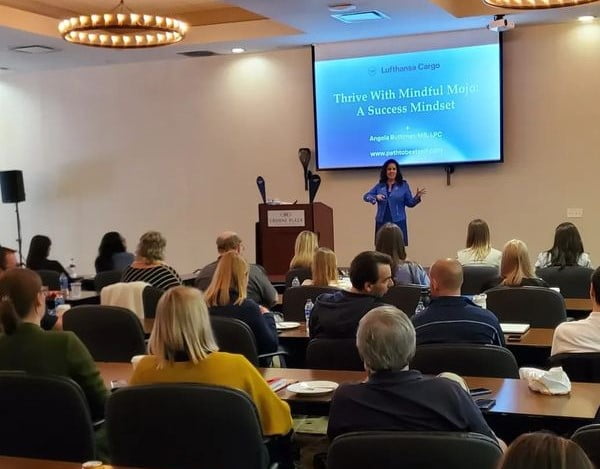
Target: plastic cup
x=76, y=290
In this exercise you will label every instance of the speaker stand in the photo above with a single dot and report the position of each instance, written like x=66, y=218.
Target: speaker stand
x=19, y=239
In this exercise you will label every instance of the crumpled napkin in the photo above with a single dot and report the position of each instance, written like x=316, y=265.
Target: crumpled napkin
x=553, y=382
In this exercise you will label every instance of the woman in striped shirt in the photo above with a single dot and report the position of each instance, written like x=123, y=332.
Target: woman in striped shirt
x=149, y=266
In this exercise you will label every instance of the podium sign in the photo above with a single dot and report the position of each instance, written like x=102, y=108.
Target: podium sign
x=285, y=218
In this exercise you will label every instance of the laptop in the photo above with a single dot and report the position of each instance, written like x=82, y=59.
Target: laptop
x=514, y=328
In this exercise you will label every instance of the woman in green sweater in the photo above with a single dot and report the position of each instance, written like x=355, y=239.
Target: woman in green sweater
x=24, y=345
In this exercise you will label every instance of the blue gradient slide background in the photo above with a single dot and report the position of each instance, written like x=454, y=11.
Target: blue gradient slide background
x=468, y=133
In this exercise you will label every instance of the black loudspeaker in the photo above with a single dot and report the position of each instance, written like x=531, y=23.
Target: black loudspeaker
x=13, y=189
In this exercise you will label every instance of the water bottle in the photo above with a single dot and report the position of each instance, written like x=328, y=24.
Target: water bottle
x=72, y=268
x=296, y=282
x=420, y=307
x=308, y=306
x=64, y=284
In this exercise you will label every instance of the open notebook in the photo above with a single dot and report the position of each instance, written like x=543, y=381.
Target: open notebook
x=516, y=328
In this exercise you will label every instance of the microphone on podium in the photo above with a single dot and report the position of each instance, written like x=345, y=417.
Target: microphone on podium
x=260, y=182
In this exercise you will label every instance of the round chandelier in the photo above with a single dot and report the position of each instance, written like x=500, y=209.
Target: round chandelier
x=536, y=4
x=122, y=29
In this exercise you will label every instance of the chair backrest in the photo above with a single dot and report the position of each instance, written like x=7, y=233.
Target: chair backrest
x=50, y=279
x=184, y=426
x=235, y=336
x=45, y=417
x=391, y=450
x=403, y=297
x=573, y=281
x=295, y=298
x=475, y=277
x=150, y=297
x=538, y=306
x=583, y=367
x=302, y=273
x=333, y=354
x=588, y=437
x=110, y=333
x=466, y=360
x=103, y=279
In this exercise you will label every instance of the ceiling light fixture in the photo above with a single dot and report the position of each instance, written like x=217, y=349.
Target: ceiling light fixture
x=122, y=29
x=586, y=18
x=238, y=50
x=536, y=4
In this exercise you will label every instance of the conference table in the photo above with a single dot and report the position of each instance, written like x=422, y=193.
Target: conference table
x=578, y=304
x=7, y=462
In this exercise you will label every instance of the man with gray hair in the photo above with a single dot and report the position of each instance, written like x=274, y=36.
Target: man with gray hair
x=260, y=288
x=394, y=397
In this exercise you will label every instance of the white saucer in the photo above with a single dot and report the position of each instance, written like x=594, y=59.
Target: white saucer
x=313, y=388
x=283, y=325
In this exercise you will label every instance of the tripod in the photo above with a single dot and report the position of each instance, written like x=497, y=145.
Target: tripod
x=19, y=239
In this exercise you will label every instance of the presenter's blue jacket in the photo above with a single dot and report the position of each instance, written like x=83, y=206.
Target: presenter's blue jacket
x=399, y=198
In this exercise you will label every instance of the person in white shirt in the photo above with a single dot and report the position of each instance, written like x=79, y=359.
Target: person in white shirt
x=584, y=335
x=566, y=250
x=479, y=250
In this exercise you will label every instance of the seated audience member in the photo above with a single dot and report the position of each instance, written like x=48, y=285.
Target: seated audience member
x=149, y=266
x=324, y=270
x=304, y=250
x=479, y=251
x=227, y=294
x=112, y=253
x=260, y=288
x=336, y=315
x=24, y=345
x=584, y=335
x=394, y=397
x=8, y=259
x=544, y=451
x=37, y=257
x=452, y=318
x=183, y=349
x=567, y=249
x=389, y=240
x=515, y=268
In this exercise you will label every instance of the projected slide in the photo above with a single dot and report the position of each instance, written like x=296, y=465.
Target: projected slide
x=428, y=107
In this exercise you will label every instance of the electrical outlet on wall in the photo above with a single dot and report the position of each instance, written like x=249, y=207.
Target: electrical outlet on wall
x=574, y=212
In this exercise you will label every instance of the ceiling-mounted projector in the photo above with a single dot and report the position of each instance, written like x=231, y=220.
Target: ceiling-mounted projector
x=500, y=24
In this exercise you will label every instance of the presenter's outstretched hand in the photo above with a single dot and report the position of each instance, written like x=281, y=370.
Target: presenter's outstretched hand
x=380, y=197
x=420, y=192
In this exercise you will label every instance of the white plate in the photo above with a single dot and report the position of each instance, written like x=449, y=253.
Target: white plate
x=286, y=325
x=312, y=388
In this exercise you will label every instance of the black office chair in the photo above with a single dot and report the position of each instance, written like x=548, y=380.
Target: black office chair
x=150, y=297
x=403, y=297
x=302, y=273
x=475, y=277
x=44, y=417
x=50, y=279
x=110, y=333
x=184, y=426
x=295, y=298
x=466, y=360
x=235, y=336
x=573, y=281
x=583, y=367
x=413, y=450
x=588, y=437
x=333, y=354
x=538, y=306
x=109, y=277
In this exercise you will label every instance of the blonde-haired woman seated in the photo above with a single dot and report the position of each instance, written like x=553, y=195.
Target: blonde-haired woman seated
x=325, y=271
x=479, y=250
x=149, y=265
x=227, y=296
x=304, y=250
x=183, y=349
x=516, y=269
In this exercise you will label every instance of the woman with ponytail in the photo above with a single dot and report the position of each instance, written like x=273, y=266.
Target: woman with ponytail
x=24, y=345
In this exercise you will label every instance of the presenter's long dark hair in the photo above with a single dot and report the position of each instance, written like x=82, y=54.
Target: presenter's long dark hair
x=111, y=243
x=383, y=173
x=39, y=250
x=567, y=245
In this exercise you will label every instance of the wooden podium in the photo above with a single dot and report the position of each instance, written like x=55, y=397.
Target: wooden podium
x=277, y=228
